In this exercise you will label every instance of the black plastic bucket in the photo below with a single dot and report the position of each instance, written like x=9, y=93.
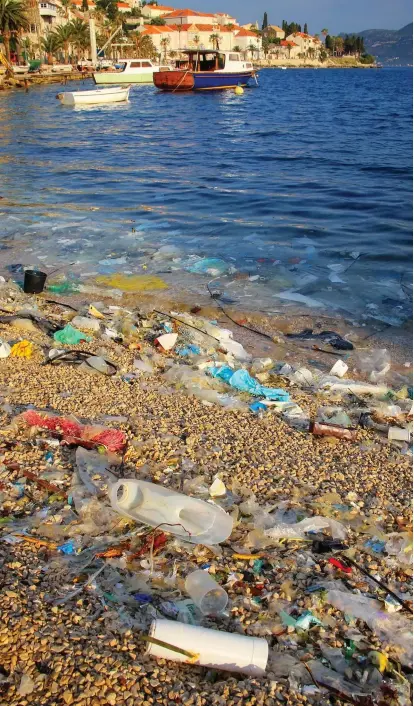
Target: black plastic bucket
x=34, y=281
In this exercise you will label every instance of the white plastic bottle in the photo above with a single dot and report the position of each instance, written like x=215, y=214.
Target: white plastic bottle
x=189, y=518
x=214, y=648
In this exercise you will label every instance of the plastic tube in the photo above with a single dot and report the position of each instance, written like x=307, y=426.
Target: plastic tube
x=206, y=593
x=217, y=650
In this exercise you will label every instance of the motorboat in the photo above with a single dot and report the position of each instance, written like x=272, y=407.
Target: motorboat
x=130, y=71
x=206, y=70
x=22, y=69
x=117, y=94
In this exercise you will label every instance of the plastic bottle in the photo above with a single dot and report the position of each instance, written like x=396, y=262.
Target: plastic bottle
x=319, y=429
x=214, y=649
x=206, y=593
x=189, y=518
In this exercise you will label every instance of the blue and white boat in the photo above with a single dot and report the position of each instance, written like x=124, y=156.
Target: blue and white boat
x=206, y=70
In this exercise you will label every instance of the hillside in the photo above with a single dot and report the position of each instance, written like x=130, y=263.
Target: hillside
x=390, y=47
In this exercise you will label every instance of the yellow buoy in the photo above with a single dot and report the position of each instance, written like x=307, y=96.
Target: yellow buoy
x=238, y=91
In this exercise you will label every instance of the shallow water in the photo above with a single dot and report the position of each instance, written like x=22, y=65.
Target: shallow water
x=301, y=187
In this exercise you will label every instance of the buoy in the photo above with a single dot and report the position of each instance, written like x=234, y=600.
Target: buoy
x=238, y=91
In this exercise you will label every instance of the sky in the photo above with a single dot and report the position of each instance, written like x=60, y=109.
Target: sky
x=336, y=15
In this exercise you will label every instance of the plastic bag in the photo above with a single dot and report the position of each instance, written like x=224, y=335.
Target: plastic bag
x=209, y=266
x=400, y=546
x=22, y=349
x=310, y=524
x=242, y=380
x=330, y=678
x=391, y=628
x=70, y=336
x=376, y=362
x=76, y=433
x=84, y=322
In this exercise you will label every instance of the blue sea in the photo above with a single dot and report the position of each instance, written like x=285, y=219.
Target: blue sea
x=295, y=196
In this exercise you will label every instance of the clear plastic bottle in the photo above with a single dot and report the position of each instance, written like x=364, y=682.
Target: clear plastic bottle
x=206, y=593
x=189, y=518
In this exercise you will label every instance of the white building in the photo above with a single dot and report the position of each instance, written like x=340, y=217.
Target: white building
x=246, y=40
x=151, y=12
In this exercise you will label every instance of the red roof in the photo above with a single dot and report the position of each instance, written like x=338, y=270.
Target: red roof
x=122, y=4
x=157, y=29
x=246, y=33
x=284, y=43
x=159, y=7
x=188, y=13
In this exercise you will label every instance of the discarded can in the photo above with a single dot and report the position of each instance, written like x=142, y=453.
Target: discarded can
x=319, y=429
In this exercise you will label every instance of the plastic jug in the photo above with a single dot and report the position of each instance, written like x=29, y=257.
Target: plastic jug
x=189, y=518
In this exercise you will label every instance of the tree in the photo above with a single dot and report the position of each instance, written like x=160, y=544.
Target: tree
x=64, y=34
x=159, y=21
x=311, y=53
x=215, y=40
x=237, y=48
x=164, y=44
x=265, y=22
x=196, y=40
x=144, y=46
x=84, y=6
x=339, y=46
x=367, y=59
x=13, y=20
x=80, y=36
x=266, y=43
x=50, y=45
x=252, y=49
x=328, y=42
x=109, y=7
x=305, y=28
x=66, y=7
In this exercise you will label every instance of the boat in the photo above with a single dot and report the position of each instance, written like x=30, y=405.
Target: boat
x=130, y=71
x=117, y=94
x=22, y=69
x=206, y=70
x=284, y=68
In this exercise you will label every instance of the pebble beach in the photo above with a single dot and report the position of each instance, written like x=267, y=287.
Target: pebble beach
x=59, y=650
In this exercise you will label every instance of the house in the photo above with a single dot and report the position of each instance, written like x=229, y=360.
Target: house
x=222, y=18
x=285, y=50
x=123, y=7
x=250, y=25
x=158, y=33
x=245, y=40
x=307, y=44
x=273, y=31
x=151, y=12
x=185, y=17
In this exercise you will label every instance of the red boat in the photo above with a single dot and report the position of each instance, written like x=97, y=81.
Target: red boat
x=206, y=69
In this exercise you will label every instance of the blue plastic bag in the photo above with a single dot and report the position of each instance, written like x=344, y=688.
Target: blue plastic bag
x=243, y=381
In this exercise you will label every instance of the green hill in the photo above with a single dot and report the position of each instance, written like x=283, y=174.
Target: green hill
x=390, y=47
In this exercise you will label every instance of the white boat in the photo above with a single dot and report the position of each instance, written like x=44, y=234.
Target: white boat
x=62, y=68
x=20, y=69
x=117, y=94
x=130, y=71
x=284, y=68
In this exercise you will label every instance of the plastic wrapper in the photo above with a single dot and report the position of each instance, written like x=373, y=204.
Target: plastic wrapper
x=70, y=336
x=330, y=678
x=73, y=432
x=392, y=628
x=243, y=381
x=400, y=546
x=310, y=524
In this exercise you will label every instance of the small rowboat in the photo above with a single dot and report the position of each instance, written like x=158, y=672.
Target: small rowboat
x=117, y=94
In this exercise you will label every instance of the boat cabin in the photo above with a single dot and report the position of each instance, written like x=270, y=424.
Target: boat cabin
x=139, y=66
x=212, y=60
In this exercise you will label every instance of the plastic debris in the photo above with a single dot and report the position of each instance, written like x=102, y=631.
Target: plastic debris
x=242, y=380
x=167, y=341
x=339, y=369
x=328, y=337
x=70, y=336
x=22, y=349
x=5, y=349
x=84, y=322
x=319, y=429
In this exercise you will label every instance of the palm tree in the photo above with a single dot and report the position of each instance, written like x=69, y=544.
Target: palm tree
x=215, y=40
x=66, y=7
x=252, y=49
x=13, y=20
x=65, y=35
x=144, y=46
x=164, y=43
x=80, y=36
x=196, y=40
x=236, y=48
x=27, y=48
x=50, y=45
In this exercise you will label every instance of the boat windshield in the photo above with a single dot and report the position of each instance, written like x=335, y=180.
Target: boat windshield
x=202, y=61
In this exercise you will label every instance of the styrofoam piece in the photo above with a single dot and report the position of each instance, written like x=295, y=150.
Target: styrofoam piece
x=215, y=649
x=339, y=369
x=5, y=349
x=398, y=434
x=167, y=340
x=189, y=518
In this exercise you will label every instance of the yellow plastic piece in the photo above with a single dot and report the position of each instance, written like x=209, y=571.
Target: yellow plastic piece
x=380, y=660
x=94, y=312
x=132, y=283
x=22, y=349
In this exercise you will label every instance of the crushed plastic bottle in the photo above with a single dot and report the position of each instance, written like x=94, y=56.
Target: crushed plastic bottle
x=310, y=524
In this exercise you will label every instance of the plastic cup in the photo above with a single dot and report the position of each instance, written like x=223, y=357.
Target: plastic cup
x=34, y=281
x=209, y=597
